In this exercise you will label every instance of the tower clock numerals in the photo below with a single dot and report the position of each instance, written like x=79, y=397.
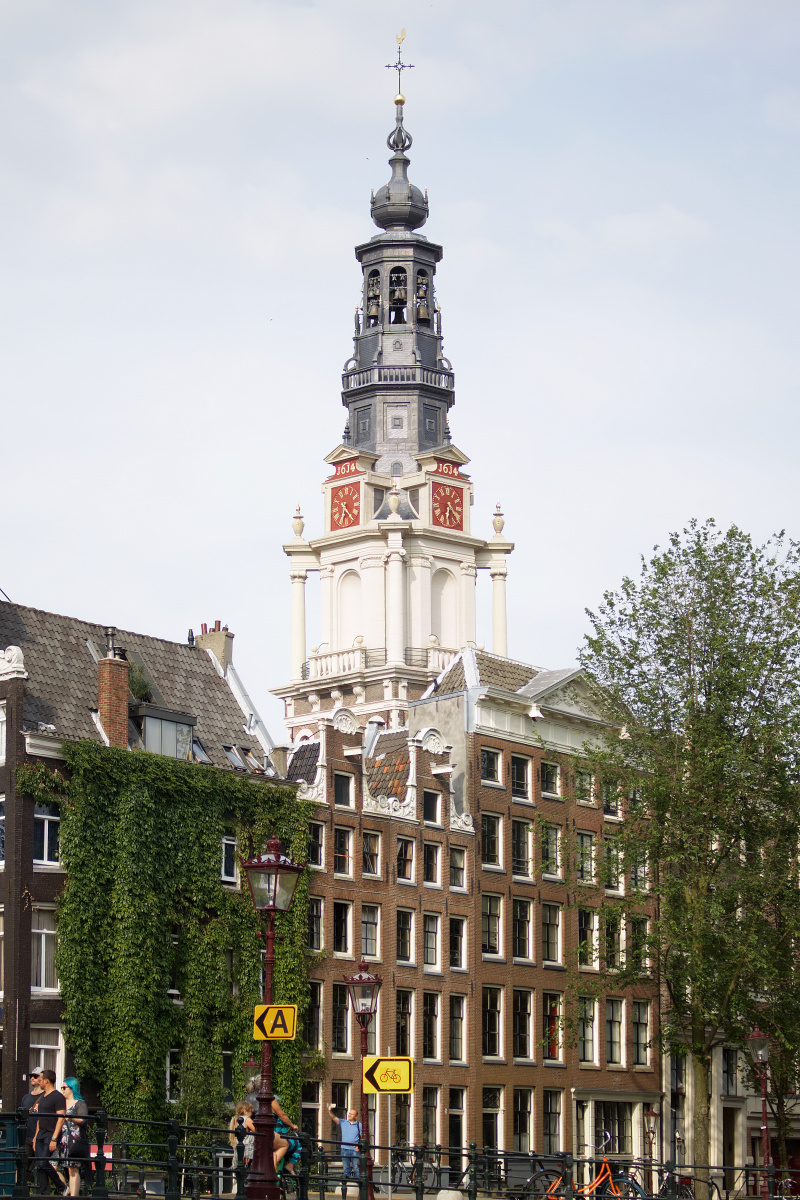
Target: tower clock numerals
x=448, y=506
x=345, y=506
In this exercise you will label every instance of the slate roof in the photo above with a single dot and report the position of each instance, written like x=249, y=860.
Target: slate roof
x=303, y=763
x=61, y=688
x=545, y=681
x=455, y=680
x=393, y=739
x=502, y=672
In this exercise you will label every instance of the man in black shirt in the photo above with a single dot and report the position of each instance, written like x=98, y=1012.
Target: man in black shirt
x=50, y=1110
x=28, y=1102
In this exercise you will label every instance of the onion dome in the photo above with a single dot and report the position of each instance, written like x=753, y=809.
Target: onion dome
x=399, y=204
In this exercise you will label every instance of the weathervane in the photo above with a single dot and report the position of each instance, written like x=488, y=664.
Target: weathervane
x=399, y=66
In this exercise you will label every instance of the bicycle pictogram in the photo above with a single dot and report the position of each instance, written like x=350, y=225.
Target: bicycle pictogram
x=390, y=1076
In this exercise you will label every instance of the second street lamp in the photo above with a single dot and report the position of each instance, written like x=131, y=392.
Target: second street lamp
x=364, y=988
x=650, y=1126
x=272, y=878
x=758, y=1045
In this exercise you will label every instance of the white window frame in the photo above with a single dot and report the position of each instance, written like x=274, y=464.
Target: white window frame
x=45, y=864
x=550, y=795
x=529, y=849
x=348, y=1033
x=493, y=955
x=408, y=962
x=645, y=1046
x=317, y=983
x=559, y=1026
x=319, y=900
x=618, y=888
x=228, y=840
x=526, y=799
x=485, y=780
x=559, y=932
x=530, y=956
x=592, y=1060
x=438, y=1107
x=558, y=872
x=320, y=866
x=531, y=1094
x=350, y=789
x=464, y=923
x=348, y=874
x=560, y=1114
x=377, y=874
x=2, y=731
x=434, y=967
x=43, y=935
x=464, y=1016
x=531, y=994
x=454, y=887
x=38, y=1050
x=589, y=801
x=620, y=1062
x=348, y=953
x=436, y=882
x=378, y=931
x=437, y=1058
x=437, y=824
x=580, y=859
x=493, y=866
x=594, y=965
x=501, y=1020
x=401, y=878
x=412, y=1017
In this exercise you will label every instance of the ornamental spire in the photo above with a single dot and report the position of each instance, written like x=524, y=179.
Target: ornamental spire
x=399, y=204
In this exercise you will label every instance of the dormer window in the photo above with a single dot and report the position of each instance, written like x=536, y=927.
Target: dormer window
x=235, y=758
x=198, y=753
x=167, y=733
x=397, y=468
x=252, y=762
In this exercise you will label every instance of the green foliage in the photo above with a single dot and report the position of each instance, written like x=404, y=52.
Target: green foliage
x=141, y=843
x=138, y=682
x=696, y=667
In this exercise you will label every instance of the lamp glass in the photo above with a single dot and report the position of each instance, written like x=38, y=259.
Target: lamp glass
x=273, y=880
x=759, y=1045
x=650, y=1118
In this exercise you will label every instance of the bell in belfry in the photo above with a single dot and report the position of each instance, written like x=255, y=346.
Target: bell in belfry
x=374, y=309
x=398, y=295
x=422, y=310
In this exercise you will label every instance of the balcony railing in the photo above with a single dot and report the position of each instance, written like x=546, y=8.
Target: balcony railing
x=358, y=658
x=398, y=375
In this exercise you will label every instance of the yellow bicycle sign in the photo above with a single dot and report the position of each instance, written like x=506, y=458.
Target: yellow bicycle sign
x=388, y=1075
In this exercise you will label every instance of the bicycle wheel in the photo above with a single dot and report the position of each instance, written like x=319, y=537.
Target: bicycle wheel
x=397, y=1173
x=544, y=1183
x=624, y=1186
x=685, y=1191
x=428, y=1174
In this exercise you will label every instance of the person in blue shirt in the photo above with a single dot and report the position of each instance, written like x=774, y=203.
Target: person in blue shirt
x=350, y=1131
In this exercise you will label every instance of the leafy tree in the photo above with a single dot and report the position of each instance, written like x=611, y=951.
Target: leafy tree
x=696, y=667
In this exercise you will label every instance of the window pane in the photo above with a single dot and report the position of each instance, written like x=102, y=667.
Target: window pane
x=152, y=735
x=183, y=742
x=169, y=739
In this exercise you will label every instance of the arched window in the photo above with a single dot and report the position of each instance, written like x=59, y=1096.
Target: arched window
x=372, y=299
x=444, y=609
x=422, y=299
x=397, y=468
x=398, y=295
x=349, y=615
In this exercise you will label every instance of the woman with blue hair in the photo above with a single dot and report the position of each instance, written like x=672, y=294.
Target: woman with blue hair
x=74, y=1144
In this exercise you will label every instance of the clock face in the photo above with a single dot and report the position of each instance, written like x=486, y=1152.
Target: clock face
x=345, y=506
x=448, y=506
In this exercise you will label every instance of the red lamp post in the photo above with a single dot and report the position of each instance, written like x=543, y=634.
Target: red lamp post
x=364, y=988
x=272, y=878
x=650, y=1128
x=758, y=1044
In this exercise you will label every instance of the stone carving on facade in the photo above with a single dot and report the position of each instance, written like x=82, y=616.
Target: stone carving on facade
x=391, y=806
x=370, y=560
x=312, y=791
x=432, y=741
x=461, y=822
x=12, y=663
x=344, y=721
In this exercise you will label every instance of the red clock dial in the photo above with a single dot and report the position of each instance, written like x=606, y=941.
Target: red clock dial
x=345, y=506
x=448, y=506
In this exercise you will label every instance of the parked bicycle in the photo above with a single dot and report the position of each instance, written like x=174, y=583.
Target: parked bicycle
x=404, y=1168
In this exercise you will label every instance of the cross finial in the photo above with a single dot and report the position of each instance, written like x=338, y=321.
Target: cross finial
x=399, y=66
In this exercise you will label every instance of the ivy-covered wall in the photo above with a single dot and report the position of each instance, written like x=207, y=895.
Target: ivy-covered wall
x=141, y=839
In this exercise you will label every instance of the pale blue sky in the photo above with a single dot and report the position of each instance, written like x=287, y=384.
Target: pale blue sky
x=181, y=186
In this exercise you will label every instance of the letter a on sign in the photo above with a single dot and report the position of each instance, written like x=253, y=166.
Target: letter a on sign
x=275, y=1022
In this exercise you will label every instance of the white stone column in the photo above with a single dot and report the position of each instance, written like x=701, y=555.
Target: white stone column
x=298, y=651
x=467, y=630
x=373, y=600
x=498, y=573
x=419, y=599
x=327, y=624
x=395, y=600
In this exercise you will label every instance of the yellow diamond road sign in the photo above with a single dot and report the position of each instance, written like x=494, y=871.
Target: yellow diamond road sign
x=388, y=1075
x=275, y=1022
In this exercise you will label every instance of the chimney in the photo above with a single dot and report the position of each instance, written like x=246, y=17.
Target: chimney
x=219, y=640
x=112, y=694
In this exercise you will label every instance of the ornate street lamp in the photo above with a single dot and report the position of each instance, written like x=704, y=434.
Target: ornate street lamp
x=650, y=1116
x=272, y=878
x=364, y=988
x=758, y=1045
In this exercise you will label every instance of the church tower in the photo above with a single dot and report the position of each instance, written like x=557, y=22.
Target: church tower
x=397, y=559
